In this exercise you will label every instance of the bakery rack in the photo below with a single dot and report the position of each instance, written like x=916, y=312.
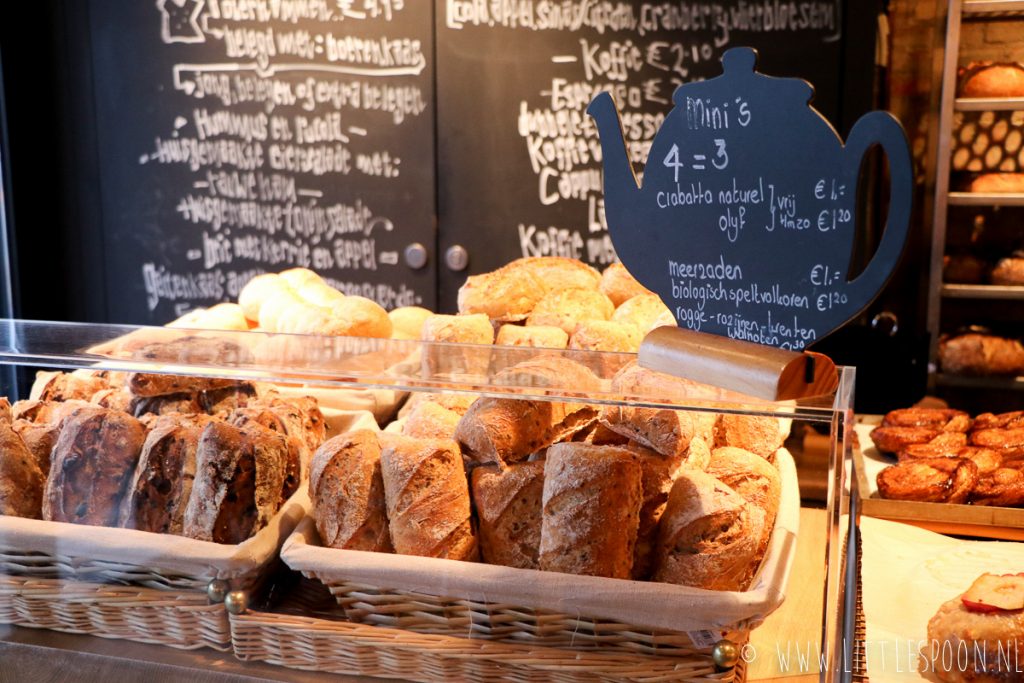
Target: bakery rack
x=958, y=149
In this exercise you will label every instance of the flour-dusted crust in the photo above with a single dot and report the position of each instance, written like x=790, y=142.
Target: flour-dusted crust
x=509, y=503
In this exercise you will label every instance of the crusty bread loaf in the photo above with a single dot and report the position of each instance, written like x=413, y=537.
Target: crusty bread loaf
x=540, y=336
x=46, y=412
x=455, y=402
x=239, y=484
x=547, y=371
x=65, y=386
x=506, y=294
x=222, y=401
x=509, y=504
x=644, y=312
x=709, y=535
x=981, y=354
x=592, y=499
x=619, y=285
x=566, y=308
x=407, y=321
x=115, y=399
x=754, y=433
x=429, y=420
x=1008, y=271
x=998, y=183
x=39, y=438
x=500, y=431
x=21, y=479
x=668, y=432
x=997, y=80
x=91, y=465
x=347, y=492
x=752, y=477
x=657, y=475
x=557, y=272
x=5, y=409
x=185, y=403
x=427, y=498
x=461, y=329
x=159, y=489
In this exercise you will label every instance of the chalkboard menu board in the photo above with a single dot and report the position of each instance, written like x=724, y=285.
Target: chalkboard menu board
x=518, y=158
x=242, y=137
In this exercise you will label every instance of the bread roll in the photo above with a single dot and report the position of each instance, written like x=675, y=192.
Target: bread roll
x=91, y=465
x=500, y=431
x=297, y=278
x=46, y=412
x=239, y=484
x=302, y=317
x=319, y=293
x=1009, y=271
x=566, y=308
x=39, y=438
x=658, y=474
x=752, y=477
x=21, y=479
x=668, y=432
x=430, y=420
x=592, y=499
x=998, y=80
x=551, y=371
x=754, y=433
x=407, y=321
x=257, y=291
x=456, y=402
x=998, y=183
x=506, y=294
x=226, y=399
x=276, y=306
x=427, y=498
x=64, y=386
x=981, y=354
x=644, y=312
x=556, y=273
x=606, y=335
x=461, y=329
x=509, y=505
x=159, y=489
x=362, y=317
x=542, y=336
x=619, y=286
x=347, y=492
x=709, y=536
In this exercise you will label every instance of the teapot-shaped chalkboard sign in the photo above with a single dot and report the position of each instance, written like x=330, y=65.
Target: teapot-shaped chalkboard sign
x=745, y=221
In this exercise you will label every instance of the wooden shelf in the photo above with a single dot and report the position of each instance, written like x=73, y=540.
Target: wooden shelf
x=977, y=382
x=972, y=7
x=1002, y=292
x=986, y=198
x=989, y=104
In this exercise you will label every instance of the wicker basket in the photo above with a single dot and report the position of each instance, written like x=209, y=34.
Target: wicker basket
x=176, y=618
x=327, y=642
x=122, y=583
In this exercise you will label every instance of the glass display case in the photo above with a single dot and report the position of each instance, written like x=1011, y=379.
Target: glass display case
x=204, y=573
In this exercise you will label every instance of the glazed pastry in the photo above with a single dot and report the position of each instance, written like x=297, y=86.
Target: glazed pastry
x=896, y=439
x=1003, y=486
x=940, y=418
x=1008, y=442
x=929, y=480
x=1011, y=420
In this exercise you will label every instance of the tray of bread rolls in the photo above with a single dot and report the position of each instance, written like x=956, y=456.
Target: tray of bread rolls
x=944, y=470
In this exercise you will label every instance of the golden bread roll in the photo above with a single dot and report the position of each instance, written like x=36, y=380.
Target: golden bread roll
x=981, y=354
x=557, y=272
x=427, y=498
x=462, y=329
x=347, y=491
x=407, y=321
x=754, y=433
x=709, y=536
x=998, y=182
x=605, y=335
x=566, y=308
x=257, y=290
x=752, y=477
x=509, y=505
x=276, y=306
x=319, y=293
x=297, y=278
x=505, y=294
x=998, y=80
x=362, y=317
x=429, y=420
x=592, y=499
x=538, y=336
x=658, y=475
x=644, y=312
x=305, y=318
x=619, y=285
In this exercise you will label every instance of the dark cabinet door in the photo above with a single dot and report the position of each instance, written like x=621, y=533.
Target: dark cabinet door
x=518, y=158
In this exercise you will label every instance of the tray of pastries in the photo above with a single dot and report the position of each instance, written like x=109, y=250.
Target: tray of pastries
x=945, y=470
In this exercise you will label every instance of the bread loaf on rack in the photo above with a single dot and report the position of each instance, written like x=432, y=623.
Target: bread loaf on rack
x=347, y=491
x=21, y=479
x=91, y=465
x=592, y=499
x=996, y=80
x=427, y=498
x=509, y=503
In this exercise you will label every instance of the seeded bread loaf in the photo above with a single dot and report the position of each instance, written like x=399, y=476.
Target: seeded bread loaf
x=509, y=506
